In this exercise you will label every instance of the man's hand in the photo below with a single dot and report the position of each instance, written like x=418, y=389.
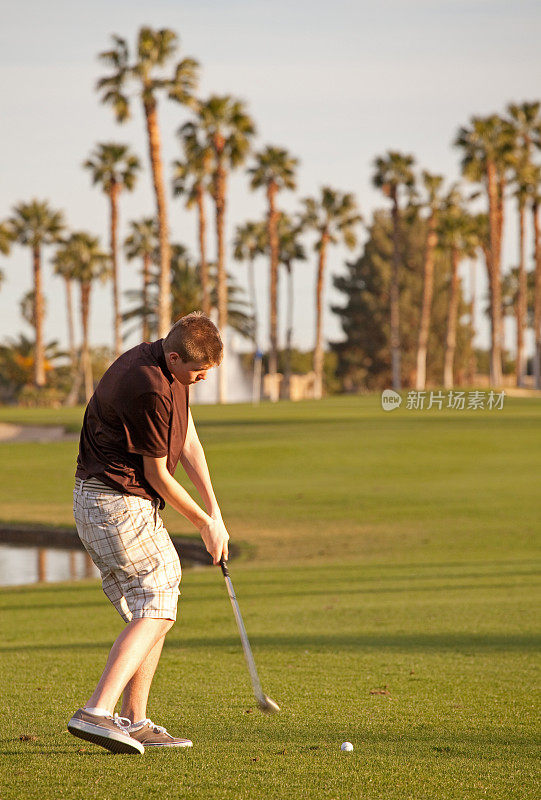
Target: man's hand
x=215, y=538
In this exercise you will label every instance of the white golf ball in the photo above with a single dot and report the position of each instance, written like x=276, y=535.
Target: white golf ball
x=346, y=747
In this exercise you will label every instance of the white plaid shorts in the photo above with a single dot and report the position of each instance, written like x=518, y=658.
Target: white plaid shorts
x=126, y=539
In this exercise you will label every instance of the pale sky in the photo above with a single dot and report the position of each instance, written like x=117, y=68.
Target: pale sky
x=336, y=83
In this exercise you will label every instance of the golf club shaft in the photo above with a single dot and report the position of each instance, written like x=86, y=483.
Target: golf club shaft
x=256, y=683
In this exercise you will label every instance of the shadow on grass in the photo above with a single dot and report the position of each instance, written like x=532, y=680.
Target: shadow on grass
x=458, y=642
x=47, y=752
x=491, y=746
x=328, y=591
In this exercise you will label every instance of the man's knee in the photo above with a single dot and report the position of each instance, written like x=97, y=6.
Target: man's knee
x=160, y=625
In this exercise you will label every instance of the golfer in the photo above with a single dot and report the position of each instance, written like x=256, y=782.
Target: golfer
x=136, y=428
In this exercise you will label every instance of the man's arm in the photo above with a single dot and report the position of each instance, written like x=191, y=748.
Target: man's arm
x=212, y=530
x=195, y=465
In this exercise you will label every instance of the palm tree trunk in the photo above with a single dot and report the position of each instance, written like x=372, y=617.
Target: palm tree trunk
x=289, y=330
x=472, y=367
x=521, y=297
x=256, y=382
x=318, y=349
x=450, y=339
x=39, y=352
x=203, y=267
x=500, y=227
x=253, y=301
x=272, y=223
x=146, y=283
x=496, y=316
x=428, y=291
x=71, y=328
x=220, y=201
x=85, y=353
x=537, y=295
x=113, y=198
x=75, y=377
x=394, y=298
x=154, y=144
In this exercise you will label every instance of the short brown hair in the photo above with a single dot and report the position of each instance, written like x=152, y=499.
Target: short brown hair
x=195, y=338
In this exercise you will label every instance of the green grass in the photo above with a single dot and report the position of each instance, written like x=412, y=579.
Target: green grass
x=385, y=550
x=335, y=480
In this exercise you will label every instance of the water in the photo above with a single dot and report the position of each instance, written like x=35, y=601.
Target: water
x=26, y=565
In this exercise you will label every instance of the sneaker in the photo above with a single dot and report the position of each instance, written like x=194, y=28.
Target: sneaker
x=109, y=732
x=151, y=735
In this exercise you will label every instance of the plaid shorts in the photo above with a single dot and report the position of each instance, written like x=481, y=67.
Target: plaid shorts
x=126, y=539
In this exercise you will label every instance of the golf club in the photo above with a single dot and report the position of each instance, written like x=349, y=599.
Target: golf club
x=264, y=702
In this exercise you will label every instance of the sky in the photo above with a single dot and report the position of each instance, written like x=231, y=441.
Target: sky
x=336, y=83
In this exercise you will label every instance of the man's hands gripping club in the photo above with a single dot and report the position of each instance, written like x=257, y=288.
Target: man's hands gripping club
x=210, y=526
x=215, y=537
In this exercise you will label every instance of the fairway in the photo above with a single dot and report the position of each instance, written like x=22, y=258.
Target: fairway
x=388, y=581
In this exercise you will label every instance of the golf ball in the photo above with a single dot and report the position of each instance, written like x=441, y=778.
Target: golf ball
x=347, y=747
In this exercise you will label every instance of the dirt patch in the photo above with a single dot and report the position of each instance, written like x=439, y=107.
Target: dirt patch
x=35, y=433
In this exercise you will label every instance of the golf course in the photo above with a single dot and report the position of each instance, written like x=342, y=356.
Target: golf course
x=388, y=577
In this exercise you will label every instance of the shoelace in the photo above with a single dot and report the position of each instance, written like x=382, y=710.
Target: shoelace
x=157, y=728
x=121, y=722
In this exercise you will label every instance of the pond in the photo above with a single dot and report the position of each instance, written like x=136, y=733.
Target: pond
x=23, y=565
x=42, y=554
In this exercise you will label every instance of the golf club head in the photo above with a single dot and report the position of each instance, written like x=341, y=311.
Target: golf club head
x=268, y=706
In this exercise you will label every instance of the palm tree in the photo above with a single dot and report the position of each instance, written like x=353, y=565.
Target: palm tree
x=394, y=175
x=27, y=305
x=456, y=234
x=154, y=49
x=35, y=224
x=432, y=185
x=480, y=231
x=290, y=250
x=186, y=294
x=274, y=169
x=535, y=202
x=526, y=122
x=524, y=184
x=6, y=238
x=249, y=242
x=85, y=262
x=191, y=178
x=487, y=146
x=226, y=129
x=114, y=168
x=334, y=216
x=143, y=242
x=63, y=268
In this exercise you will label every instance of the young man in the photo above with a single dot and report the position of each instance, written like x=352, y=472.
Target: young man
x=136, y=428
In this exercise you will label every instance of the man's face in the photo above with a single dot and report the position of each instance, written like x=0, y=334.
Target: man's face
x=186, y=372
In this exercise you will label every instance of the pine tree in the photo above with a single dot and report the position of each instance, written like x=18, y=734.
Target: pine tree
x=364, y=356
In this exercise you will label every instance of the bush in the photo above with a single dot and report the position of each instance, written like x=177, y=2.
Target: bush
x=46, y=397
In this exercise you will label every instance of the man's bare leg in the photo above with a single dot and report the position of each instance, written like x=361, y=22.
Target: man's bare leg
x=126, y=656
x=135, y=696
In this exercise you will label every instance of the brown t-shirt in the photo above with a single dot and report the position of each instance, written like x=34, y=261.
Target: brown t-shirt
x=138, y=409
